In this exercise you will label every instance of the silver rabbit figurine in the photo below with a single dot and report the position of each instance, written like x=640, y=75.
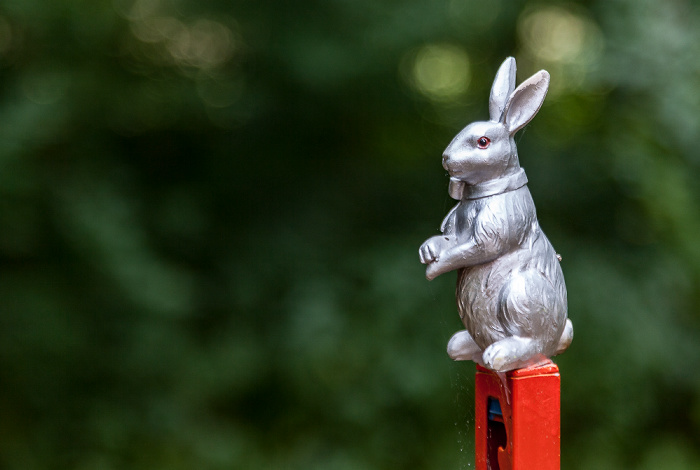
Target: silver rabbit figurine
x=510, y=288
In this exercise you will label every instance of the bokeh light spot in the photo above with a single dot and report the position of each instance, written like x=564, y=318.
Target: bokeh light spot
x=5, y=35
x=556, y=34
x=44, y=87
x=441, y=71
x=197, y=42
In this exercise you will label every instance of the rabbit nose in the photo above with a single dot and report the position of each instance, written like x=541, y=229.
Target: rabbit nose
x=445, y=157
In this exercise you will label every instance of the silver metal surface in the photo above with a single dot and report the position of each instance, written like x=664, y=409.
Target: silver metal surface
x=510, y=288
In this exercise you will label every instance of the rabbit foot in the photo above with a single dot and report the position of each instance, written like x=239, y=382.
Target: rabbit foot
x=462, y=347
x=509, y=353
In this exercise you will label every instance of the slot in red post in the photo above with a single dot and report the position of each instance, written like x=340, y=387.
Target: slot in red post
x=518, y=429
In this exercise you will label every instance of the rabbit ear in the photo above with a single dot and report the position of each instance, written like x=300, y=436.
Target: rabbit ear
x=525, y=101
x=503, y=86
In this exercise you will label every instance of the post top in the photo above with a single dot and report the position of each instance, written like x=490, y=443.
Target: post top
x=546, y=367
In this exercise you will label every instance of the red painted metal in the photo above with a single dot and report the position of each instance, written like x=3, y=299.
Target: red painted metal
x=527, y=434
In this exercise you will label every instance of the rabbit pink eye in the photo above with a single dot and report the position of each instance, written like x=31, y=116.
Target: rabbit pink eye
x=483, y=142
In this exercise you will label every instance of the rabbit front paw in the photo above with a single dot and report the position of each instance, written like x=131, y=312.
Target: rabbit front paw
x=430, y=250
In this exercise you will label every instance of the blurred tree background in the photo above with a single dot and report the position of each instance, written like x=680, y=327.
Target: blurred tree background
x=210, y=214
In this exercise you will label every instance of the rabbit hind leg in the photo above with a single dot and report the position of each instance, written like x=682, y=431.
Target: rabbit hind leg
x=511, y=353
x=462, y=347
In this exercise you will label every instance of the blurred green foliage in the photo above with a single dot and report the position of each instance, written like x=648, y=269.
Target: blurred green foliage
x=210, y=215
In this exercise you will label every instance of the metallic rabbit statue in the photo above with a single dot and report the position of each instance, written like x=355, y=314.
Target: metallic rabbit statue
x=510, y=288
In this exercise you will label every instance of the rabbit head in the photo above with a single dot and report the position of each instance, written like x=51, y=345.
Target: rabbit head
x=486, y=150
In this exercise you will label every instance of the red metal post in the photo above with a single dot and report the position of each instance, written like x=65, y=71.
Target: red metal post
x=518, y=428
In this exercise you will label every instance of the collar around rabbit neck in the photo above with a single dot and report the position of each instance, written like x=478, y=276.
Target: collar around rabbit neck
x=459, y=190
